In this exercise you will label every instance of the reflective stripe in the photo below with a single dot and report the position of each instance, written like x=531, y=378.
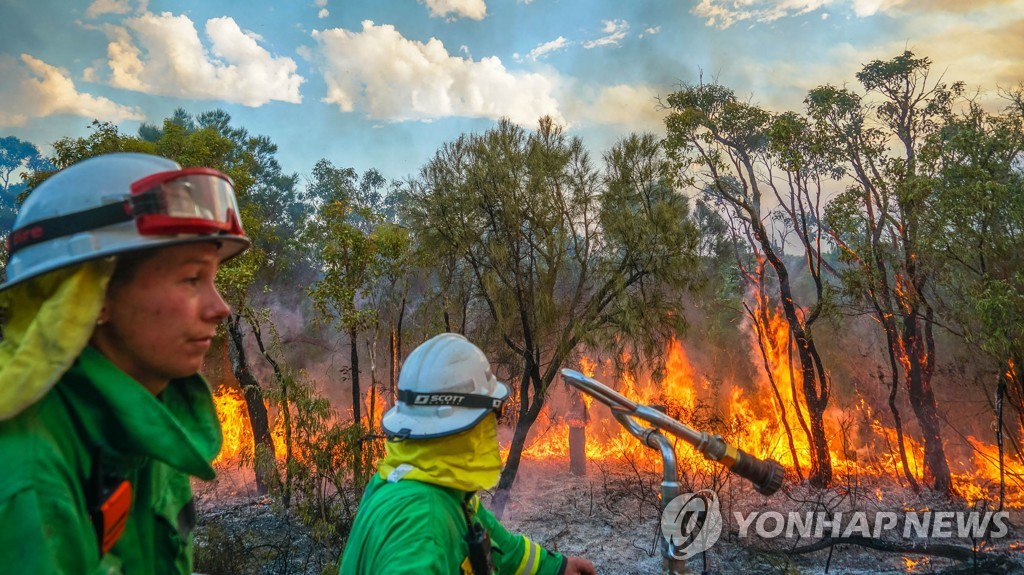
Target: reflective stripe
x=530, y=563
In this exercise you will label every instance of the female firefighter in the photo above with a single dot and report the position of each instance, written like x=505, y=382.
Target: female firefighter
x=420, y=512
x=110, y=308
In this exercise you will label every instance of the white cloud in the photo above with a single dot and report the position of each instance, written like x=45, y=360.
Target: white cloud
x=35, y=89
x=472, y=9
x=162, y=54
x=546, y=48
x=396, y=79
x=100, y=7
x=724, y=13
x=653, y=30
x=632, y=107
x=323, y=13
x=864, y=8
x=614, y=30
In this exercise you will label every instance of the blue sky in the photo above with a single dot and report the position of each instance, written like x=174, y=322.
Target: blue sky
x=384, y=83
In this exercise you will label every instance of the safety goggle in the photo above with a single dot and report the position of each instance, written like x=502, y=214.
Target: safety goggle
x=187, y=201
x=471, y=400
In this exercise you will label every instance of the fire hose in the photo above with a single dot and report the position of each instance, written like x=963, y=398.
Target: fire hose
x=766, y=475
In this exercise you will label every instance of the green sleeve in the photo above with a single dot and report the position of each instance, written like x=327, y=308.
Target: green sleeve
x=38, y=538
x=515, y=554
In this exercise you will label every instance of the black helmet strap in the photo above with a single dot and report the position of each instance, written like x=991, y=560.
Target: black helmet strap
x=472, y=400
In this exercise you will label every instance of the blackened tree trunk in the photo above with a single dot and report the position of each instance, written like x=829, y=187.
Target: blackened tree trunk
x=920, y=351
x=286, y=416
x=357, y=446
x=257, y=410
x=354, y=362
x=528, y=412
x=816, y=387
x=396, y=349
x=891, y=337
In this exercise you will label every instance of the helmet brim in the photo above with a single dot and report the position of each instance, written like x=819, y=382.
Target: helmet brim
x=228, y=247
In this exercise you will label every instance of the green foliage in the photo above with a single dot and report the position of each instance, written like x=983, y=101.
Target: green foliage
x=546, y=251
x=319, y=464
x=343, y=239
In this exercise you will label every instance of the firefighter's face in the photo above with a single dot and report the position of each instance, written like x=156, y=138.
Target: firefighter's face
x=158, y=324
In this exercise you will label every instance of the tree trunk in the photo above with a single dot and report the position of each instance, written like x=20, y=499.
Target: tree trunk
x=357, y=447
x=577, y=450
x=890, y=336
x=396, y=350
x=371, y=354
x=1000, y=392
x=815, y=382
x=257, y=410
x=922, y=400
x=393, y=361
x=577, y=421
x=286, y=416
x=354, y=363
x=515, y=456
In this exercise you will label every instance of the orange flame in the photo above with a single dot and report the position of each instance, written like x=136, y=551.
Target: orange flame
x=236, y=429
x=859, y=442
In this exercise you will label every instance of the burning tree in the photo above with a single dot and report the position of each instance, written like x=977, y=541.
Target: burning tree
x=737, y=153
x=879, y=222
x=557, y=254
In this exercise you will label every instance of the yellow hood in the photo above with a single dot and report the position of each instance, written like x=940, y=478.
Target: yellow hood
x=467, y=461
x=49, y=322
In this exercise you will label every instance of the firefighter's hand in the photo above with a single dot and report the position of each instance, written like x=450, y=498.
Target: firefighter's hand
x=579, y=566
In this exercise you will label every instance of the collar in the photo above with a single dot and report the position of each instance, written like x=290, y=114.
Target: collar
x=179, y=427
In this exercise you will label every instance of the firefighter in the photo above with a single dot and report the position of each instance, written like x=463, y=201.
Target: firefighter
x=420, y=512
x=110, y=308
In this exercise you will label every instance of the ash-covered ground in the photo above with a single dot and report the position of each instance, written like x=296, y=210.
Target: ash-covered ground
x=612, y=516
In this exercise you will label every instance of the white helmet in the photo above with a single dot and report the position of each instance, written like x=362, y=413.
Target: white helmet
x=446, y=386
x=117, y=203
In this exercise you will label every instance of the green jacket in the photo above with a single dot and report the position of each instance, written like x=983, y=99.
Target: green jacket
x=419, y=528
x=155, y=443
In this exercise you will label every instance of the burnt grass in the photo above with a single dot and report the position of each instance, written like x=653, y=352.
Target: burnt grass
x=612, y=517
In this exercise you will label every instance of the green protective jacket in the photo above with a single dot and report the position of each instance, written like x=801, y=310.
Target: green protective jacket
x=420, y=528
x=98, y=414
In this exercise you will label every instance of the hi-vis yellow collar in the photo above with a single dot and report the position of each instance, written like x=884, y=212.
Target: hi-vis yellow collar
x=467, y=461
x=49, y=322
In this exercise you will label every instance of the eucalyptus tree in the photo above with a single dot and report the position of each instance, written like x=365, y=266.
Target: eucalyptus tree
x=758, y=167
x=974, y=230
x=557, y=251
x=343, y=253
x=878, y=223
